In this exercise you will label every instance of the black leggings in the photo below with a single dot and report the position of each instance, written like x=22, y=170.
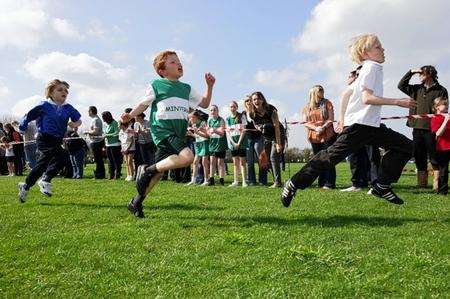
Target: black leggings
x=115, y=160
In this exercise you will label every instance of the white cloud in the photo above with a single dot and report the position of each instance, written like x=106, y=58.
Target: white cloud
x=290, y=78
x=66, y=29
x=93, y=81
x=4, y=91
x=97, y=29
x=23, y=106
x=412, y=32
x=22, y=23
x=25, y=24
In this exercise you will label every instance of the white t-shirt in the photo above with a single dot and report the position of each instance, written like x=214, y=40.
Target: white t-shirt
x=370, y=77
x=9, y=151
x=127, y=140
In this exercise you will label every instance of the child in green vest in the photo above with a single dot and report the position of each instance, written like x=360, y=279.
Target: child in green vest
x=237, y=143
x=198, y=131
x=169, y=101
x=217, y=144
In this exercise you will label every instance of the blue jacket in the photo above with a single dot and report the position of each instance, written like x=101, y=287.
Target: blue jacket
x=50, y=118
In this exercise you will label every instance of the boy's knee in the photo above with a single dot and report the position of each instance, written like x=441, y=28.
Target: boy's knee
x=321, y=161
x=188, y=159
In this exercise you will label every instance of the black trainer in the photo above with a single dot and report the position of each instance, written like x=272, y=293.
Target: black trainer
x=136, y=209
x=211, y=181
x=288, y=193
x=386, y=193
x=222, y=181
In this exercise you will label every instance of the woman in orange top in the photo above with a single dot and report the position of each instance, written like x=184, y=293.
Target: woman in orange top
x=319, y=117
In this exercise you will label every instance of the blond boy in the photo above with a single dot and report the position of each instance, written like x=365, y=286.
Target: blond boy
x=169, y=101
x=362, y=127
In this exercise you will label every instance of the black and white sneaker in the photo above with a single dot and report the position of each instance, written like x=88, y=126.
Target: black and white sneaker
x=45, y=187
x=288, y=193
x=386, y=193
x=22, y=192
x=136, y=209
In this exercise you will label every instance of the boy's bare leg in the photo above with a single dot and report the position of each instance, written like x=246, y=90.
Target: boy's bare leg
x=154, y=172
x=183, y=159
x=153, y=182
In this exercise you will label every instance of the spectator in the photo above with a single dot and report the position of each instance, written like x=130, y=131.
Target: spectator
x=255, y=148
x=97, y=143
x=237, y=143
x=319, y=117
x=423, y=139
x=126, y=137
x=30, y=146
x=144, y=140
x=3, y=164
x=9, y=151
x=113, y=147
x=13, y=136
x=440, y=125
x=217, y=146
x=198, y=131
x=77, y=150
x=265, y=118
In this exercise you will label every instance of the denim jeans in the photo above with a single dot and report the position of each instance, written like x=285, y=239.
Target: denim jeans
x=30, y=154
x=255, y=148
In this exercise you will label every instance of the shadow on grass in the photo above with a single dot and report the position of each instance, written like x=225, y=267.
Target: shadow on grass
x=331, y=221
x=181, y=207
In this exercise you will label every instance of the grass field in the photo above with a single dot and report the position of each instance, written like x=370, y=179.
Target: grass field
x=222, y=242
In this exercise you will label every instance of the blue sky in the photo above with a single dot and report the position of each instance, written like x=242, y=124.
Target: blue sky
x=104, y=48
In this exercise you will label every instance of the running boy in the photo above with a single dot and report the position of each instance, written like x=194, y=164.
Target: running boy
x=362, y=126
x=52, y=117
x=170, y=101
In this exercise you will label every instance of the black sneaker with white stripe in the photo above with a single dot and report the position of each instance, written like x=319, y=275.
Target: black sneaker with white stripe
x=136, y=209
x=386, y=193
x=288, y=193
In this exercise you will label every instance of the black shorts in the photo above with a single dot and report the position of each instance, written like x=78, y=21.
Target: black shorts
x=239, y=153
x=220, y=155
x=172, y=145
x=10, y=159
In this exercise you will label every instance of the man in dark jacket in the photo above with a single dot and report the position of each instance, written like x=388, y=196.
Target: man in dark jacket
x=424, y=141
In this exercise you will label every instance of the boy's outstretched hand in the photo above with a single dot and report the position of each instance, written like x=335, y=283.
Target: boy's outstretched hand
x=406, y=103
x=210, y=80
x=125, y=117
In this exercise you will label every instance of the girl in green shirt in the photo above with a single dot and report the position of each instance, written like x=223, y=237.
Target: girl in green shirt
x=217, y=144
x=201, y=147
x=237, y=143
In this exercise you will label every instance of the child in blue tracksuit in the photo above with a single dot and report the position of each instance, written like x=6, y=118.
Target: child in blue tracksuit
x=52, y=118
